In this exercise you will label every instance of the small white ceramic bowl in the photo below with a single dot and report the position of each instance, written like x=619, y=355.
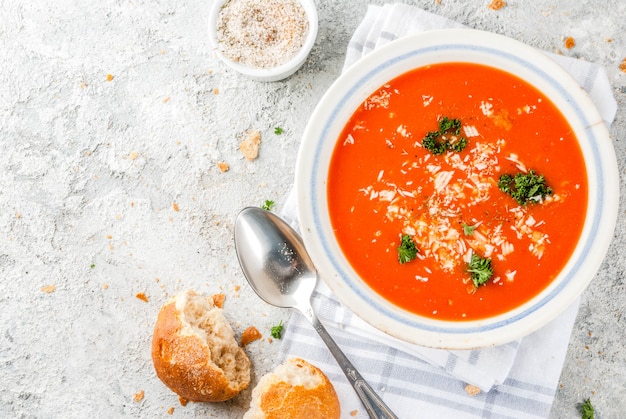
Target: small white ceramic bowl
x=267, y=74
x=462, y=45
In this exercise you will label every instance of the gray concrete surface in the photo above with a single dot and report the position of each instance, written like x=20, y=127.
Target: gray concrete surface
x=110, y=188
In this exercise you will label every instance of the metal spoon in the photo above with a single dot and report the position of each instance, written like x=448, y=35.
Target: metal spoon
x=279, y=269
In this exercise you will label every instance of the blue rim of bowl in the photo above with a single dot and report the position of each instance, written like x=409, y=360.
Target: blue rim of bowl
x=598, y=187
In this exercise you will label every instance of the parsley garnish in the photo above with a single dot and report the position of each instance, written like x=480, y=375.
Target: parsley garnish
x=277, y=330
x=267, y=205
x=586, y=409
x=278, y=130
x=431, y=144
x=438, y=142
x=525, y=187
x=468, y=230
x=481, y=270
x=407, y=251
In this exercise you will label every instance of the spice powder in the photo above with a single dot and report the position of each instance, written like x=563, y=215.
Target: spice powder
x=261, y=33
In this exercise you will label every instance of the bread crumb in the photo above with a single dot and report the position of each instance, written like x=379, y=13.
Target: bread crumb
x=170, y=411
x=497, y=4
x=105, y=286
x=354, y=413
x=270, y=340
x=216, y=91
x=133, y=155
x=249, y=147
x=110, y=77
x=49, y=289
x=138, y=396
x=218, y=300
x=569, y=42
x=472, y=390
x=175, y=207
x=237, y=288
x=223, y=166
x=622, y=66
x=142, y=297
x=166, y=99
x=250, y=335
x=182, y=401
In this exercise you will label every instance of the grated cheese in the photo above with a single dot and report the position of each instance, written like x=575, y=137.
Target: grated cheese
x=486, y=108
x=453, y=179
x=380, y=100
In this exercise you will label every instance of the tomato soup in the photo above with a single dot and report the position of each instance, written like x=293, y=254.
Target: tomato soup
x=385, y=185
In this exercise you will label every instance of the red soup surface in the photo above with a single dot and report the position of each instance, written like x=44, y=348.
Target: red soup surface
x=384, y=185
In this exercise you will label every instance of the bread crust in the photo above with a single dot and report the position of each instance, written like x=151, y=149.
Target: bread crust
x=183, y=361
x=284, y=400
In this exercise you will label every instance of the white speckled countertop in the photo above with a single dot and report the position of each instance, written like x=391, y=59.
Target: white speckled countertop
x=113, y=117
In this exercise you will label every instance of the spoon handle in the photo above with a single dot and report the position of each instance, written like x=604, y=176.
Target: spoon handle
x=374, y=405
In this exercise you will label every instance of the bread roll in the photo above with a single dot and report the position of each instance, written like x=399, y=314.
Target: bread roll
x=295, y=390
x=194, y=350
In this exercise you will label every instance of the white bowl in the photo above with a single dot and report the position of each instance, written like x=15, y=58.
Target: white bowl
x=457, y=45
x=267, y=74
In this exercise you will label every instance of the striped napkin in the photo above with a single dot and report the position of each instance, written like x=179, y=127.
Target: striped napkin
x=517, y=379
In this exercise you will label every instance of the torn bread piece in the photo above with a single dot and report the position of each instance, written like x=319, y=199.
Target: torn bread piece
x=194, y=350
x=295, y=389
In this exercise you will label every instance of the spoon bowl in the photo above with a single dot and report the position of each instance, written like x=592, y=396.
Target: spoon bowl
x=273, y=259
x=278, y=268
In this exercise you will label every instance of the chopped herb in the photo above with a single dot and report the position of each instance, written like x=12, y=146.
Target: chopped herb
x=92, y=266
x=481, y=270
x=459, y=145
x=431, y=143
x=268, y=205
x=278, y=130
x=446, y=124
x=447, y=138
x=277, y=330
x=468, y=230
x=524, y=187
x=586, y=409
x=407, y=251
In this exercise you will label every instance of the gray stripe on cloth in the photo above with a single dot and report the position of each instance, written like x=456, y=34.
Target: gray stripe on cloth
x=369, y=46
x=474, y=357
x=590, y=78
x=357, y=46
x=490, y=399
x=330, y=308
x=524, y=385
x=516, y=402
x=450, y=363
x=388, y=35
